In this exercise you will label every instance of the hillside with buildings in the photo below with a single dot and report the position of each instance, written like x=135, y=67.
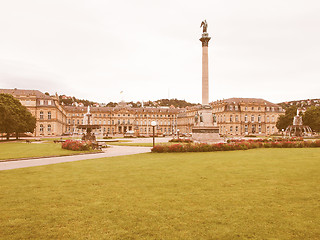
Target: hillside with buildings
x=306, y=103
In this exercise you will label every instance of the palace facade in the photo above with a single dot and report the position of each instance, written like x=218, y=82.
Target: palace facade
x=234, y=116
x=247, y=116
x=119, y=120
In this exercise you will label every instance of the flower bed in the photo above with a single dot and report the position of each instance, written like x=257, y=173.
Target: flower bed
x=203, y=147
x=76, y=145
x=293, y=139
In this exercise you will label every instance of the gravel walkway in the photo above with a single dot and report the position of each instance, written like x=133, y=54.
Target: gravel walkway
x=109, y=152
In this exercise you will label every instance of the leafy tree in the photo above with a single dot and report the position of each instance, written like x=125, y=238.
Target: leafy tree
x=312, y=118
x=14, y=117
x=111, y=104
x=285, y=120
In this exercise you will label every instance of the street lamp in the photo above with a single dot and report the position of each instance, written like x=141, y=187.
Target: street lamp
x=153, y=124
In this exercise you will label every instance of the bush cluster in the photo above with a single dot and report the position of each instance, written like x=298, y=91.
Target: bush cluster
x=182, y=140
x=203, y=147
x=76, y=145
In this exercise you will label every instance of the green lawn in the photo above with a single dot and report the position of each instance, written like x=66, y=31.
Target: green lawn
x=13, y=150
x=253, y=194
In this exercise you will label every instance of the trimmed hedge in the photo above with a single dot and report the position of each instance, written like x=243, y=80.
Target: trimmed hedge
x=203, y=147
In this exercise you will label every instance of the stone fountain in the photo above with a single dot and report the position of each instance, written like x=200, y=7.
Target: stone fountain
x=298, y=129
x=88, y=126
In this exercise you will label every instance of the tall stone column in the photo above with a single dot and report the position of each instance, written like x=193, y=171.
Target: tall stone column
x=205, y=73
x=205, y=128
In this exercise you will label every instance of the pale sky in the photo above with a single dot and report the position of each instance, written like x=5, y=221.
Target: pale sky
x=94, y=49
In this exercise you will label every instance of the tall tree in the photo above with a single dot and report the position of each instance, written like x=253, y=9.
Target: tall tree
x=285, y=120
x=312, y=118
x=14, y=117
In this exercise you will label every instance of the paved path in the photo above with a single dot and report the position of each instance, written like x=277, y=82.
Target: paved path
x=110, y=152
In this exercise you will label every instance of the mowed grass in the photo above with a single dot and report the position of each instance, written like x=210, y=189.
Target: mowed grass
x=12, y=150
x=253, y=194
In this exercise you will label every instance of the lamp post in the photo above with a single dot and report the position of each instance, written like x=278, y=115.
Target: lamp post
x=153, y=124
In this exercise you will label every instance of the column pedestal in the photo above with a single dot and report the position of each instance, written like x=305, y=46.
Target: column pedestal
x=205, y=129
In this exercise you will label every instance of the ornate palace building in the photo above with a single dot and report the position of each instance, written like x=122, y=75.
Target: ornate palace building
x=234, y=116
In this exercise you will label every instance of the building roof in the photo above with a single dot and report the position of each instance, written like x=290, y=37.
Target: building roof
x=246, y=100
x=23, y=92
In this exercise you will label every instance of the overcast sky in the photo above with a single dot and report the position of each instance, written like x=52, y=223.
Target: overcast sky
x=94, y=49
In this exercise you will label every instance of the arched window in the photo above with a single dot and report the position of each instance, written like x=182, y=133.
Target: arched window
x=252, y=118
x=41, y=127
x=41, y=115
